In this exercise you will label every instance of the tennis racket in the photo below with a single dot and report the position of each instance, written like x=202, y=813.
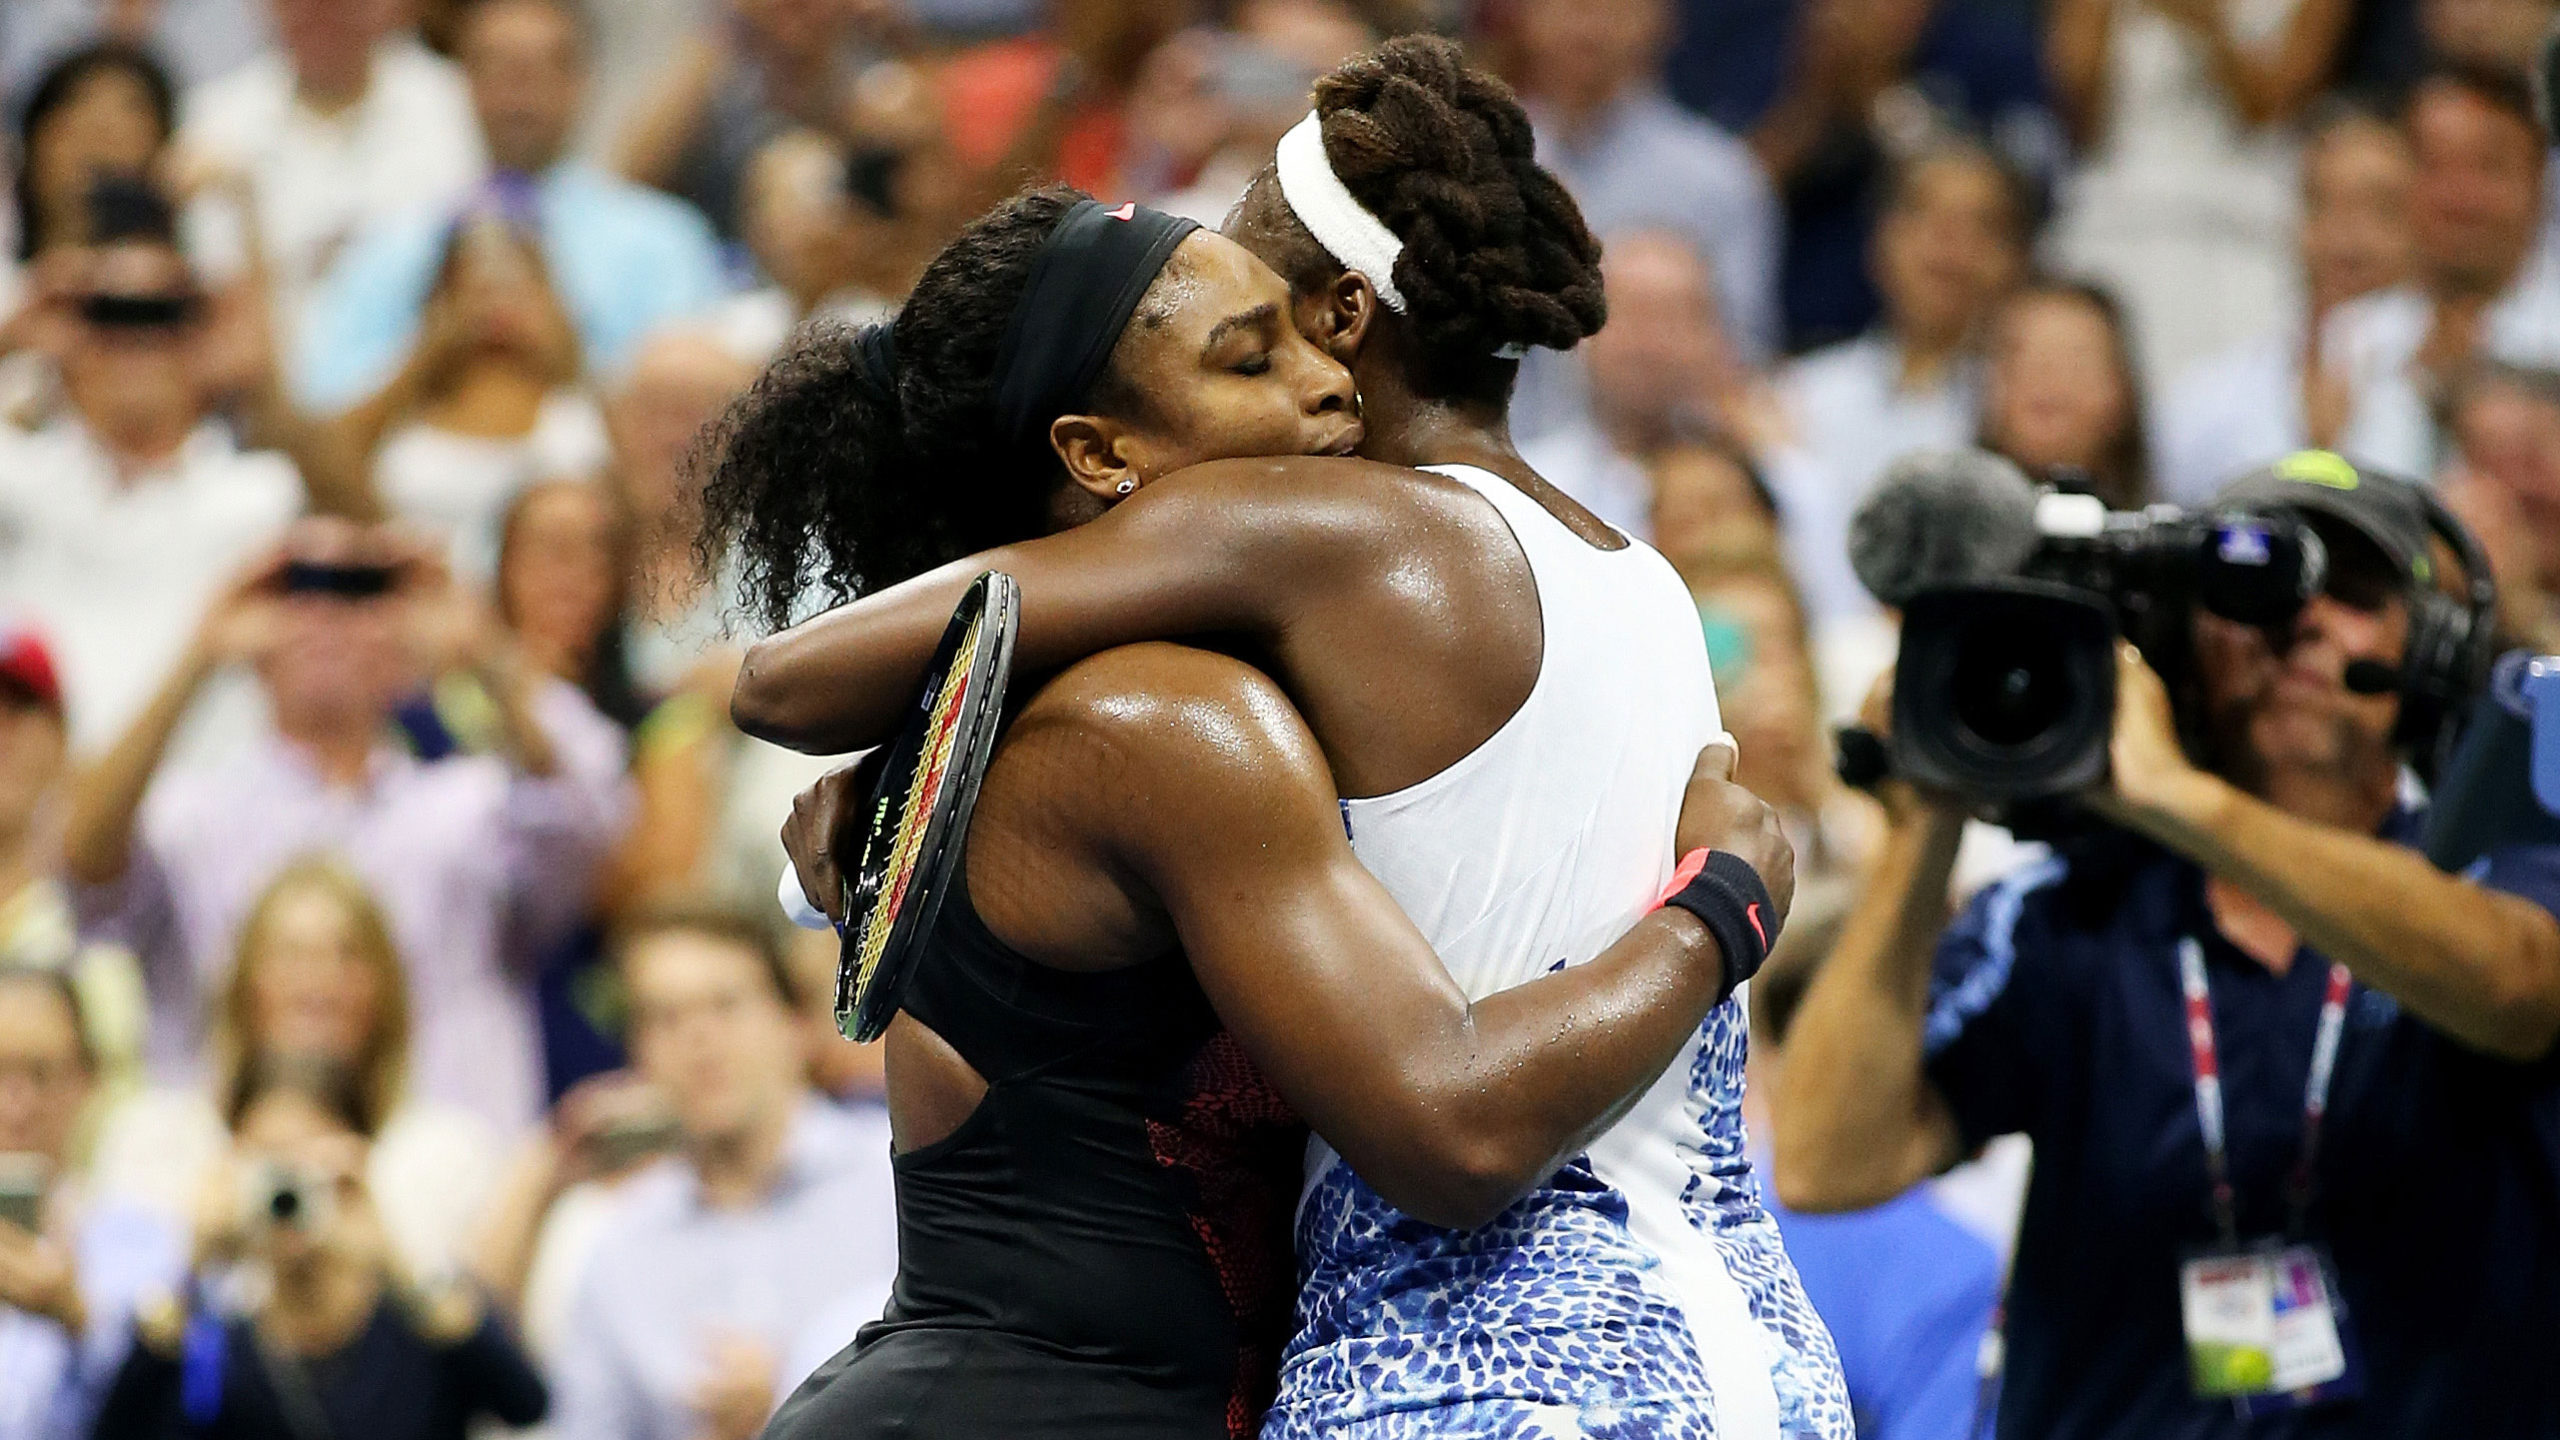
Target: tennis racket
x=920, y=808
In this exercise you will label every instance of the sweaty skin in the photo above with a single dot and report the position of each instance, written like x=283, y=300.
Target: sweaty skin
x=1393, y=606
x=1157, y=798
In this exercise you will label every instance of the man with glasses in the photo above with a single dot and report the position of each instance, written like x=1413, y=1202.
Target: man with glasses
x=2293, y=1092
x=69, y=1272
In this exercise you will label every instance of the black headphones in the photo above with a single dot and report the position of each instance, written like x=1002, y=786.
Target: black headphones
x=2451, y=643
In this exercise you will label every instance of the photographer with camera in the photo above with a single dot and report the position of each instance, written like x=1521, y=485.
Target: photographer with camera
x=70, y=1266
x=478, y=859
x=2293, y=1092
x=298, y=1322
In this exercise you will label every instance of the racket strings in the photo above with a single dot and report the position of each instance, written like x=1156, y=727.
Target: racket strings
x=933, y=763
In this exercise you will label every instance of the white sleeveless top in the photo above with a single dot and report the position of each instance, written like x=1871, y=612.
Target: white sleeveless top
x=1642, y=1288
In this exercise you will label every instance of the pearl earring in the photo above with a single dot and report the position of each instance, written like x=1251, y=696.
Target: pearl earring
x=1126, y=486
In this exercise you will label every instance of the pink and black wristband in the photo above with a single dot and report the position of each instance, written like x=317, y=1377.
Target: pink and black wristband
x=1730, y=899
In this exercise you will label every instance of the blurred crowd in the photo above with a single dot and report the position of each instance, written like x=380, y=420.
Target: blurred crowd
x=393, y=1036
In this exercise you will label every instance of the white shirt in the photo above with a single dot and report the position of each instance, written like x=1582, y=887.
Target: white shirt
x=2374, y=340
x=459, y=486
x=317, y=180
x=2229, y=415
x=118, y=573
x=1852, y=415
x=431, y=1171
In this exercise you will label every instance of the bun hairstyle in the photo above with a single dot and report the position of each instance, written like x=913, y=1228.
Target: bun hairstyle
x=1496, y=253
x=837, y=474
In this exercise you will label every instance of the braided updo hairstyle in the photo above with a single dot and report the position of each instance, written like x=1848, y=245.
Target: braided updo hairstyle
x=1495, y=251
x=825, y=483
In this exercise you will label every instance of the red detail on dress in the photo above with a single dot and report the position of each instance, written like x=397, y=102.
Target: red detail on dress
x=1238, y=1152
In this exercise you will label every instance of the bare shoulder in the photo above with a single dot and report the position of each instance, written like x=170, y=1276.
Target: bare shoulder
x=1316, y=497
x=1143, y=724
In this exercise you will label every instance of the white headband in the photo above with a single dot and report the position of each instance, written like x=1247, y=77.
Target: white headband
x=1341, y=224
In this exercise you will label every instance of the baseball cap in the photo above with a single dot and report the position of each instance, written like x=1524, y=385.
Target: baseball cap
x=26, y=666
x=2321, y=484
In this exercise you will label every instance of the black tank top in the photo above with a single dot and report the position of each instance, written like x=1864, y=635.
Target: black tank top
x=1102, y=1247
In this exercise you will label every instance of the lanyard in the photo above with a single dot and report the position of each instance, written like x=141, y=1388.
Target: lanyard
x=2208, y=1080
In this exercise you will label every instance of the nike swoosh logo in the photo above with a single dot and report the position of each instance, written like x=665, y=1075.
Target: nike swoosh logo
x=1751, y=913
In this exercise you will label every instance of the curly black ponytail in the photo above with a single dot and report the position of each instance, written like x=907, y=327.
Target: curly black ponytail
x=824, y=481
x=1495, y=253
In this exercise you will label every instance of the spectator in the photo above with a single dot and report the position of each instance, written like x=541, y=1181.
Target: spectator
x=707, y=794
x=2182, y=202
x=1251, y=79
x=2505, y=482
x=1712, y=513
x=37, y=928
x=2483, y=288
x=2270, y=397
x=625, y=259
x=1871, y=86
x=563, y=563
x=778, y=1205
x=1907, y=1288
x=317, y=980
x=488, y=400
x=757, y=68
x=681, y=382
x=1951, y=242
x=2232, y=925
x=1634, y=159
x=1053, y=101
x=1665, y=364
x=103, y=111
x=121, y=518
x=346, y=125
x=339, y=1340
x=2061, y=396
x=203, y=38
x=71, y=1268
x=818, y=245
x=478, y=861
x=846, y=1073
x=98, y=114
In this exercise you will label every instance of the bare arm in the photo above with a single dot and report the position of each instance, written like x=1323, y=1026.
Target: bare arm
x=2480, y=966
x=1857, y=1120
x=1450, y=1108
x=1226, y=547
x=106, y=796
x=2075, y=56
x=2268, y=84
x=654, y=142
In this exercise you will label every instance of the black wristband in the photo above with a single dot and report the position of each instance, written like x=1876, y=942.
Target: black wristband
x=1731, y=900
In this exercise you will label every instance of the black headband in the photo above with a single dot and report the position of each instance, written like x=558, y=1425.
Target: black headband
x=1087, y=281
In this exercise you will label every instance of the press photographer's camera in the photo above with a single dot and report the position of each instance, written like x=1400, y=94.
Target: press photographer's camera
x=285, y=1197
x=2013, y=597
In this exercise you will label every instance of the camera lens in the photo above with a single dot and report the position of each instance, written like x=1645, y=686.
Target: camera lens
x=2009, y=689
x=285, y=1205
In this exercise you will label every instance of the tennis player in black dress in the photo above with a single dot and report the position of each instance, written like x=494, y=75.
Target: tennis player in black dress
x=1158, y=905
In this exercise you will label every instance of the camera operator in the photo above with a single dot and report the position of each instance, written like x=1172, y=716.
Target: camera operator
x=300, y=1324
x=2250, y=951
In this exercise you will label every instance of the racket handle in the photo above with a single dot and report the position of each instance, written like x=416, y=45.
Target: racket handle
x=795, y=903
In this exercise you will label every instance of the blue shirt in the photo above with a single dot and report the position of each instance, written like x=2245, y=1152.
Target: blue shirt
x=1644, y=163
x=2057, y=1011
x=51, y=1382
x=673, y=1276
x=1907, y=1293
x=624, y=259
